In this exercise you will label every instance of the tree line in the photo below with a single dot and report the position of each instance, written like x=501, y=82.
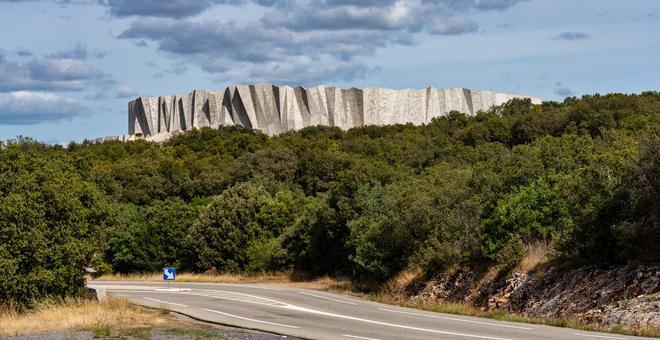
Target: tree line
x=581, y=176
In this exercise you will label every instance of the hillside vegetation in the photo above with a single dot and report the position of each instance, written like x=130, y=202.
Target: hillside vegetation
x=581, y=177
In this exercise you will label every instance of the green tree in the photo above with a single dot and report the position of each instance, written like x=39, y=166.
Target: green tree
x=51, y=224
x=152, y=237
x=238, y=223
x=532, y=213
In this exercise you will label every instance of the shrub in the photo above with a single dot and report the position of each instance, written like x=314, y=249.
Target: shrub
x=51, y=225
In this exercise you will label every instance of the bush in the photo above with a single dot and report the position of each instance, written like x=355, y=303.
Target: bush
x=235, y=227
x=152, y=237
x=532, y=213
x=51, y=225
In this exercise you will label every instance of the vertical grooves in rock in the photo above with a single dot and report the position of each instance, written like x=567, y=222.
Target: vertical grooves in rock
x=468, y=99
x=241, y=113
x=272, y=113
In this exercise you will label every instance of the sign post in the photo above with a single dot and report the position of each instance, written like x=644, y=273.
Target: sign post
x=169, y=275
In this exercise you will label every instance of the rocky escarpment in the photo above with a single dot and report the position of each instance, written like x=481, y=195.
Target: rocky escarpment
x=276, y=109
x=624, y=296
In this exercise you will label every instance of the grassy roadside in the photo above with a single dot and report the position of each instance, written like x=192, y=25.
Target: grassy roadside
x=116, y=317
x=469, y=310
x=347, y=287
x=281, y=278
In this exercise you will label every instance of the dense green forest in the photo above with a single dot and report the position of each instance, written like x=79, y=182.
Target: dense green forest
x=582, y=176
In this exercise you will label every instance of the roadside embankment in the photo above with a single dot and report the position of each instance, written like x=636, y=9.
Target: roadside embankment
x=619, y=299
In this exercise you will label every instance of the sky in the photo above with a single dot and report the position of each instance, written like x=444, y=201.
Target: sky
x=68, y=68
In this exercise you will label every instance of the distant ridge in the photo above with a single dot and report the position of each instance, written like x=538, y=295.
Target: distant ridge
x=276, y=109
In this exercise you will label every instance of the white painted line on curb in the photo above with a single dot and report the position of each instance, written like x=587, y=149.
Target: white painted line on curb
x=248, y=319
x=172, y=290
x=454, y=319
x=165, y=302
x=327, y=298
x=358, y=337
x=597, y=336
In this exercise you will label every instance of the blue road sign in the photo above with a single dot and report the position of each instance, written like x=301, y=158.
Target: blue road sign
x=169, y=274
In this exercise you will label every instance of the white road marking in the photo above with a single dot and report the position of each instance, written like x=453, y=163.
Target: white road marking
x=358, y=337
x=455, y=319
x=278, y=304
x=161, y=301
x=597, y=336
x=428, y=330
x=327, y=298
x=248, y=319
x=240, y=297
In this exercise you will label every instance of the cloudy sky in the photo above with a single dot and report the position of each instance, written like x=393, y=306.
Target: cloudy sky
x=69, y=67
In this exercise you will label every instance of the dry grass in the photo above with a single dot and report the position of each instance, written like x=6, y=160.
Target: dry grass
x=79, y=315
x=209, y=278
x=401, y=280
x=537, y=254
x=281, y=278
x=467, y=309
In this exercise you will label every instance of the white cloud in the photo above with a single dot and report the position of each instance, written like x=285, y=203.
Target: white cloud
x=126, y=92
x=27, y=108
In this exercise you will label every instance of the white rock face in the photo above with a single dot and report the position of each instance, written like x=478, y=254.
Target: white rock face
x=276, y=109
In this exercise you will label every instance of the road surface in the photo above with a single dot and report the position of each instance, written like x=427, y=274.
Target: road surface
x=321, y=315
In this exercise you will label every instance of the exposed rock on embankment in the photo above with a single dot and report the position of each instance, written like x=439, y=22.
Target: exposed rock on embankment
x=624, y=296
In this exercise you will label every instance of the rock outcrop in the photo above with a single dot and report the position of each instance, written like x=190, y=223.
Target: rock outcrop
x=276, y=109
x=624, y=296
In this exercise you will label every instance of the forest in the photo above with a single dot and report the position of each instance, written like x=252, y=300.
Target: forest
x=581, y=176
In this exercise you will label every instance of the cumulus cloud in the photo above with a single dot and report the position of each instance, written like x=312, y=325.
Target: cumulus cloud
x=49, y=75
x=151, y=8
x=23, y=52
x=310, y=32
x=27, y=108
x=486, y=5
x=402, y=15
x=79, y=52
x=563, y=91
x=570, y=35
x=454, y=26
x=218, y=46
x=126, y=92
x=307, y=37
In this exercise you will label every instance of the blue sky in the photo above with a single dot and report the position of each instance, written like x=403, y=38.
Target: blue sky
x=69, y=67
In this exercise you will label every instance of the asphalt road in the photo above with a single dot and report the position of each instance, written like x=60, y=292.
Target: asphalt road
x=321, y=315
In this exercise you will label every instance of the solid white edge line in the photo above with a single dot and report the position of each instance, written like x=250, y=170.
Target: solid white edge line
x=161, y=301
x=248, y=319
x=597, y=336
x=454, y=319
x=327, y=298
x=358, y=337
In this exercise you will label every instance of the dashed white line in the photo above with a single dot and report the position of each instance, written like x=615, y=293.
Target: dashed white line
x=454, y=319
x=248, y=319
x=165, y=302
x=327, y=298
x=597, y=336
x=358, y=337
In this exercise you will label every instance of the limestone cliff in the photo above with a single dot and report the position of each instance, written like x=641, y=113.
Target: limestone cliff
x=276, y=109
